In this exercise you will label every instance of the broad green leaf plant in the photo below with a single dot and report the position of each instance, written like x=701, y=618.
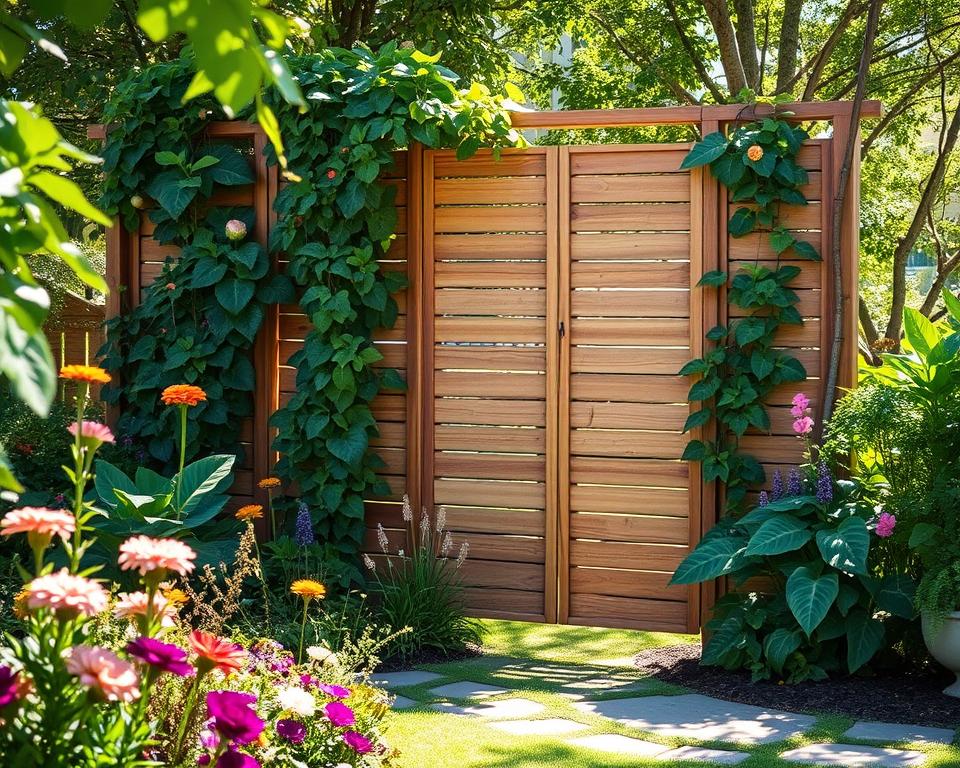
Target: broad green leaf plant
x=757, y=165
x=334, y=225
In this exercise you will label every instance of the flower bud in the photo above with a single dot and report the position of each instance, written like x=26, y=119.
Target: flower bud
x=235, y=230
x=136, y=201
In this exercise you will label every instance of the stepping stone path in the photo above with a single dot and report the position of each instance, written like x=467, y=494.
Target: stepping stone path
x=392, y=680
x=501, y=708
x=692, y=716
x=699, y=754
x=402, y=702
x=621, y=745
x=917, y=734
x=551, y=726
x=466, y=690
x=851, y=756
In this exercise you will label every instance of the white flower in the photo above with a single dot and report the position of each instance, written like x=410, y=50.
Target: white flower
x=297, y=700
x=322, y=654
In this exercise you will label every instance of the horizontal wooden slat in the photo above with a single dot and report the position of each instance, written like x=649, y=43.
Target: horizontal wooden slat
x=643, y=274
x=637, y=245
x=627, y=613
x=491, y=358
x=490, y=329
x=664, y=160
x=607, y=415
x=489, y=384
x=481, y=438
x=504, y=575
x=756, y=245
x=672, y=332
x=497, y=493
x=633, y=584
x=629, y=389
x=490, y=191
x=494, y=412
x=489, y=466
x=456, y=301
x=643, y=360
x=628, y=527
x=468, y=247
x=618, y=471
x=665, y=502
x=483, y=163
x=504, y=604
x=651, y=445
x=642, y=216
x=489, y=274
x=491, y=219
x=666, y=188
x=641, y=557
x=613, y=303
x=791, y=216
x=486, y=520
x=516, y=549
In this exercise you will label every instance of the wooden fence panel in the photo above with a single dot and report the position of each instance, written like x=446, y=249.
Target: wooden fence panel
x=75, y=334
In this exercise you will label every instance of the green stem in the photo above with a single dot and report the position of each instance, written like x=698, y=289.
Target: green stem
x=79, y=478
x=183, y=454
x=185, y=719
x=303, y=628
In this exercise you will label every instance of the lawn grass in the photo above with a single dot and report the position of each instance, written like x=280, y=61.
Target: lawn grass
x=541, y=663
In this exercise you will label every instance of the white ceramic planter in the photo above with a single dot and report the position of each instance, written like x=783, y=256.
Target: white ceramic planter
x=943, y=642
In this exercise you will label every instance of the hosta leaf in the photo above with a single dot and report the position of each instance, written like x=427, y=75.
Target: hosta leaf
x=845, y=547
x=864, y=639
x=779, y=534
x=810, y=597
x=712, y=558
x=779, y=644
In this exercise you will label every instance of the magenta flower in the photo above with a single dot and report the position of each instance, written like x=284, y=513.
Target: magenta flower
x=163, y=657
x=800, y=405
x=358, y=742
x=292, y=730
x=803, y=425
x=9, y=686
x=885, y=525
x=92, y=431
x=233, y=759
x=234, y=717
x=339, y=714
x=235, y=230
x=307, y=681
x=337, y=691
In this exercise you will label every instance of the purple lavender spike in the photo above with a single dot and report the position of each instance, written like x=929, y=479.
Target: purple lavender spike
x=794, y=484
x=777, y=490
x=824, y=483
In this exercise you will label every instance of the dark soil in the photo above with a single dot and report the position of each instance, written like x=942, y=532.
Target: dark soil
x=891, y=696
x=428, y=656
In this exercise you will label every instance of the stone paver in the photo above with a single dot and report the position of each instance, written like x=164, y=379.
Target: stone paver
x=621, y=745
x=466, y=690
x=401, y=679
x=693, y=716
x=920, y=734
x=850, y=756
x=402, y=702
x=607, y=684
x=504, y=708
x=718, y=756
x=551, y=726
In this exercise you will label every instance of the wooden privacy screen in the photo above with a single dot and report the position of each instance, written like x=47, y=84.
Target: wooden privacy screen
x=551, y=301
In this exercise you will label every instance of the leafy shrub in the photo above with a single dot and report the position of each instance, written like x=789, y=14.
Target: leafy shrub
x=812, y=552
x=939, y=592
x=422, y=590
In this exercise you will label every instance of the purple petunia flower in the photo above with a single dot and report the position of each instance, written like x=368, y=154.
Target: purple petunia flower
x=358, y=742
x=776, y=492
x=339, y=714
x=764, y=499
x=304, y=532
x=308, y=681
x=9, y=686
x=292, y=730
x=233, y=759
x=794, y=484
x=337, y=691
x=234, y=717
x=824, y=483
x=163, y=657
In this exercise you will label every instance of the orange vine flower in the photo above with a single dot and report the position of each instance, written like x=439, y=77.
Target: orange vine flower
x=249, y=512
x=755, y=153
x=269, y=482
x=90, y=374
x=183, y=394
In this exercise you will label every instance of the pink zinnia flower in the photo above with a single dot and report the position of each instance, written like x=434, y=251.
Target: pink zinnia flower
x=885, y=524
x=93, y=431
x=358, y=742
x=235, y=230
x=103, y=671
x=339, y=714
x=39, y=522
x=803, y=425
x=147, y=555
x=800, y=404
x=131, y=605
x=66, y=594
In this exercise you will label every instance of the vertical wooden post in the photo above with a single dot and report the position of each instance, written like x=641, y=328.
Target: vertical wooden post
x=425, y=299
x=700, y=296
x=556, y=522
x=266, y=348
x=416, y=373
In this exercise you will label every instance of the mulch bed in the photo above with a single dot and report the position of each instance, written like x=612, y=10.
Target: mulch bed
x=910, y=697
x=428, y=656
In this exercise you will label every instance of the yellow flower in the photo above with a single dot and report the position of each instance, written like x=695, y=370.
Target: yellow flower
x=175, y=596
x=755, y=153
x=249, y=512
x=20, y=603
x=308, y=589
x=183, y=394
x=269, y=482
x=91, y=374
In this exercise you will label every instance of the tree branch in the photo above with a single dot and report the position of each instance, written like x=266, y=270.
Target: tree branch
x=853, y=140
x=789, y=43
x=696, y=60
x=818, y=63
x=727, y=40
x=747, y=42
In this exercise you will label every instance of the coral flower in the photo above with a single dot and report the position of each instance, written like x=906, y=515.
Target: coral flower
x=164, y=657
x=308, y=589
x=358, y=742
x=249, y=512
x=269, y=482
x=234, y=717
x=755, y=153
x=39, y=523
x=91, y=374
x=216, y=653
x=141, y=553
x=67, y=594
x=103, y=671
x=92, y=431
x=339, y=714
x=183, y=394
x=131, y=605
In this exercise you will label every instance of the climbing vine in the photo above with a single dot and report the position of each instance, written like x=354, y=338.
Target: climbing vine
x=335, y=222
x=757, y=164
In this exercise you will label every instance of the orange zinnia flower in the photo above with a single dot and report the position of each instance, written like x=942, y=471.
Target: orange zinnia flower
x=308, y=589
x=249, y=512
x=755, y=153
x=216, y=653
x=91, y=374
x=269, y=482
x=183, y=394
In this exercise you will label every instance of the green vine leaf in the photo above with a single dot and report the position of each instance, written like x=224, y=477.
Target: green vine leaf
x=743, y=222
x=715, y=278
x=706, y=151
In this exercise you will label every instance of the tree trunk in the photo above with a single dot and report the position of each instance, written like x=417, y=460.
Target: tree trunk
x=747, y=42
x=789, y=44
x=727, y=40
x=907, y=242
